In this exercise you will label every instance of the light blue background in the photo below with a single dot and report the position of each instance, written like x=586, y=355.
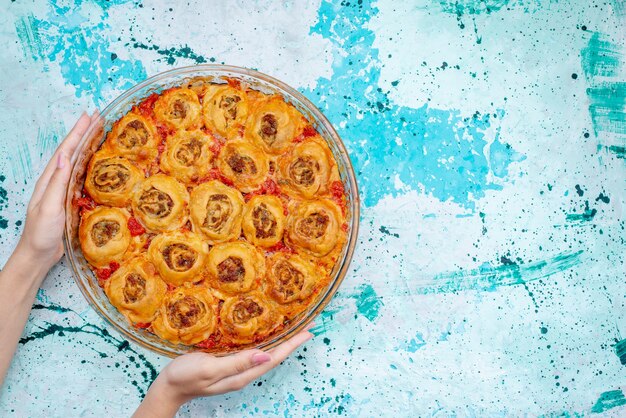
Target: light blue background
x=488, y=139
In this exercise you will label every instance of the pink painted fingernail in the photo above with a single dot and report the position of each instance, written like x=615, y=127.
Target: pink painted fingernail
x=61, y=160
x=260, y=358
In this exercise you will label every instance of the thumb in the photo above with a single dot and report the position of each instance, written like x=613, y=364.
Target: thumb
x=54, y=195
x=240, y=362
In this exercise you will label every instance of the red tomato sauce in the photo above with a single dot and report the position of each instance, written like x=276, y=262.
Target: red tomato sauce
x=146, y=108
x=135, y=227
x=103, y=274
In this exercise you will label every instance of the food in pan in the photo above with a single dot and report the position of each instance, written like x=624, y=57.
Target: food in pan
x=212, y=215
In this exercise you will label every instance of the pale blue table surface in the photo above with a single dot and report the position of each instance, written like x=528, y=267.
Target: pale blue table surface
x=489, y=141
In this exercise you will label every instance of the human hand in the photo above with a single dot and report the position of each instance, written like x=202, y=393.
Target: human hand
x=41, y=240
x=201, y=374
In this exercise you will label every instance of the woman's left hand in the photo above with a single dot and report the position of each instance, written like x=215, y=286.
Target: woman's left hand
x=45, y=216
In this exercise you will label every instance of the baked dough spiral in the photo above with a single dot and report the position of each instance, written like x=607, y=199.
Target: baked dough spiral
x=225, y=110
x=134, y=137
x=264, y=220
x=136, y=290
x=104, y=235
x=187, y=155
x=110, y=179
x=290, y=277
x=305, y=171
x=273, y=125
x=248, y=317
x=235, y=267
x=178, y=108
x=243, y=164
x=179, y=257
x=215, y=211
x=314, y=226
x=188, y=315
x=160, y=203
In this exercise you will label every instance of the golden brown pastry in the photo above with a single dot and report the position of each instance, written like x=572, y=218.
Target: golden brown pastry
x=188, y=315
x=110, y=179
x=136, y=290
x=314, y=226
x=235, y=267
x=273, y=125
x=291, y=278
x=215, y=211
x=104, y=235
x=305, y=170
x=178, y=108
x=248, y=317
x=161, y=203
x=187, y=155
x=225, y=110
x=179, y=257
x=243, y=164
x=134, y=137
x=264, y=220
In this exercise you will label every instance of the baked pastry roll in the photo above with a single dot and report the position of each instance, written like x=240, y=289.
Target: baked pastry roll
x=247, y=318
x=235, y=267
x=188, y=315
x=305, y=170
x=215, y=211
x=110, y=179
x=134, y=137
x=314, y=226
x=264, y=220
x=187, y=155
x=136, y=290
x=104, y=235
x=273, y=125
x=243, y=164
x=160, y=203
x=290, y=277
x=225, y=110
x=179, y=257
x=178, y=108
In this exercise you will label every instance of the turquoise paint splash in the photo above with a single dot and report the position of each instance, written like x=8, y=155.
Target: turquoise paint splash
x=601, y=60
x=415, y=343
x=489, y=278
x=500, y=156
x=4, y=203
x=81, y=50
x=368, y=303
x=609, y=400
x=325, y=321
x=620, y=351
x=472, y=7
x=172, y=54
x=445, y=149
x=587, y=215
x=600, y=57
x=28, y=34
x=607, y=107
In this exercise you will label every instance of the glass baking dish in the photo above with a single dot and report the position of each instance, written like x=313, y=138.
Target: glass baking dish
x=84, y=277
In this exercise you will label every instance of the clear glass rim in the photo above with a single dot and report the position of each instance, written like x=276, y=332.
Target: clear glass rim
x=352, y=184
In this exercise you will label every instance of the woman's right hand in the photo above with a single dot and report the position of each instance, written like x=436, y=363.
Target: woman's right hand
x=201, y=374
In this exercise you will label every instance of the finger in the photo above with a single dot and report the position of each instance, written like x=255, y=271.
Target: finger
x=70, y=141
x=76, y=134
x=54, y=195
x=278, y=354
x=240, y=362
x=282, y=351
